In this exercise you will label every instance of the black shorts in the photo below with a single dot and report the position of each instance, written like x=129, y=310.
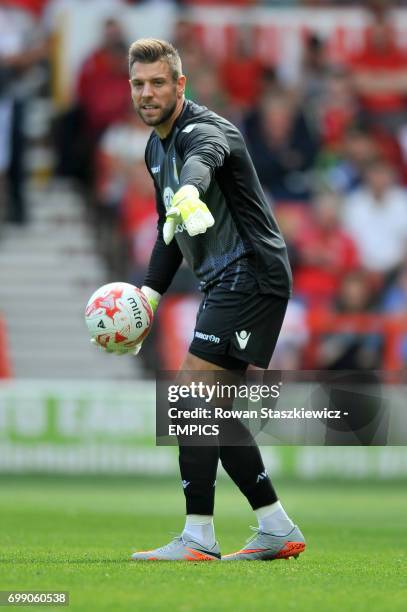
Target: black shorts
x=236, y=325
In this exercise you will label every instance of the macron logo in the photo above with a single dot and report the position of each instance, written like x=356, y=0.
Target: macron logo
x=261, y=476
x=155, y=169
x=185, y=483
x=242, y=338
x=189, y=128
x=207, y=337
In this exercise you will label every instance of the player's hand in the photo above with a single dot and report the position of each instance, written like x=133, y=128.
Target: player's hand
x=187, y=208
x=153, y=298
x=118, y=351
x=105, y=349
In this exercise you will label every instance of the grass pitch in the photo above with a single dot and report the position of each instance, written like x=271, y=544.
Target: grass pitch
x=75, y=535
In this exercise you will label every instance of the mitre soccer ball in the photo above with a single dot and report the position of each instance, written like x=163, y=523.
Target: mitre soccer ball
x=118, y=317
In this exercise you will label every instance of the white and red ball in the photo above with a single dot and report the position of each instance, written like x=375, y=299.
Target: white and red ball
x=118, y=316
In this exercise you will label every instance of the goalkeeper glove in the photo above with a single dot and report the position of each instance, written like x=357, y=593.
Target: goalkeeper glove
x=153, y=298
x=118, y=351
x=187, y=208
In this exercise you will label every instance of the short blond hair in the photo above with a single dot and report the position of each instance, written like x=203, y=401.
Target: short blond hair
x=150, y=50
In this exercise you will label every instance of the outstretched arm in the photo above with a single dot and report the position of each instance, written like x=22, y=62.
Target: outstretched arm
x=203, y=148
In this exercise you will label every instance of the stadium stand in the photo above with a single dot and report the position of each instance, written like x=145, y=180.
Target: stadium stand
x=323, y=133
x=5, y=365
x=48, y=271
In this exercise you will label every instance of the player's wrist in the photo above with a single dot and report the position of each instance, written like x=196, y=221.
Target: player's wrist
x=153, y=297
x=187, y=191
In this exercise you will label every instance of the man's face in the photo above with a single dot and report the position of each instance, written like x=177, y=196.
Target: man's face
x=154, y=92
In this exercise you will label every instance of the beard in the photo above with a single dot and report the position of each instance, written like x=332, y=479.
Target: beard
x=163, y=116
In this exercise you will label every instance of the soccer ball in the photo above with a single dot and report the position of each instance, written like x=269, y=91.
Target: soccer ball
x=118, y=317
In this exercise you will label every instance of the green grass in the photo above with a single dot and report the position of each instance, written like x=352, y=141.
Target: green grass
x=76, y=534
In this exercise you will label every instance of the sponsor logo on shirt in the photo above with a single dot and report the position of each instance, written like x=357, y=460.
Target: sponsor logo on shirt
x=155, y=169
x=168, y=194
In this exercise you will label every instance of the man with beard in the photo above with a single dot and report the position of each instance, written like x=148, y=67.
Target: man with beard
x=212, y=212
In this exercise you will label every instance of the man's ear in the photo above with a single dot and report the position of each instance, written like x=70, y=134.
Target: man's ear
x=181, y=82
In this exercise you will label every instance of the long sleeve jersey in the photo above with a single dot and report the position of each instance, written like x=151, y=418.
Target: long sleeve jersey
x=207, y=151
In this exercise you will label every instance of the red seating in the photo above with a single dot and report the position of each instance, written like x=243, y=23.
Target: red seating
x=5, y=366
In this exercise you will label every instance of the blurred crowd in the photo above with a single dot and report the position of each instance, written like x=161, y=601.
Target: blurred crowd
x=330, y=148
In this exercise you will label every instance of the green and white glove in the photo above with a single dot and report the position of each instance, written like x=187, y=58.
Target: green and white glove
x=118, y=351
x=153, y=298
x=187, y=208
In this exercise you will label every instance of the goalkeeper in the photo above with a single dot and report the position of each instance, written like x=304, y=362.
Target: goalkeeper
x=212, y=212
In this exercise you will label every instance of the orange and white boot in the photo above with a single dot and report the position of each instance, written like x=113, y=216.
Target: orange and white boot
x=264, y=546
x=180, y=548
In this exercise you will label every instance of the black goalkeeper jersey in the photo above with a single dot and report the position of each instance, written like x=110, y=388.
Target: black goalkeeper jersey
x=207, y=151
